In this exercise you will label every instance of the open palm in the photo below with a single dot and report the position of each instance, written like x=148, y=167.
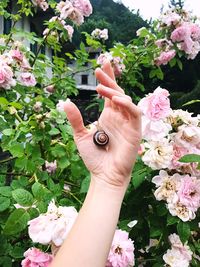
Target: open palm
x=120, y=119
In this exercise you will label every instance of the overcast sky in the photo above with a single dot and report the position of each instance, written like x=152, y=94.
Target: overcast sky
x=151, y=8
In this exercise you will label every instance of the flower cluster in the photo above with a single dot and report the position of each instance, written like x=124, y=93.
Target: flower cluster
x=122, y=250
x=15, y=68
x=169, y=135
x=74, y=10
x=179, y=254
x=62, y=24
x=117, y=62
x=180, y=33
x=100, y=34
x=52, y=226
x=181, y=192
x=41, y=3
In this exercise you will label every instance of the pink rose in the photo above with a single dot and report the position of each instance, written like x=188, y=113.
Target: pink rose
x=68, y=10
x=27, y=79
x=17, y=55
x=154, y=130
x=189, y=192
x=41, y=3
x=6, y=76
x=156, y=105
x=122, y=250
x=165, y=57
x=195, y=32
x=84, y=6
x=180, y=33
x=70, y=31
x=178, y=152
x=36, y=258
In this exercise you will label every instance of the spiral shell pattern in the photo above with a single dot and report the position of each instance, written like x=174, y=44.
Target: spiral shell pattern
x=100, y=138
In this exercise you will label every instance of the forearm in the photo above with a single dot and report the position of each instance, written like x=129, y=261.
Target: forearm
x=89, y=241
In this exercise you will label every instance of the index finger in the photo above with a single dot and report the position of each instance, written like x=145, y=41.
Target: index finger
x=107, y=68
x=104, y=79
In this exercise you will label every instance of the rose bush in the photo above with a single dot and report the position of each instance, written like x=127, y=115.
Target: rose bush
x=43, y=181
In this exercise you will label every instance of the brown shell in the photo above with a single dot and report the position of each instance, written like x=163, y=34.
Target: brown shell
x=100, y=138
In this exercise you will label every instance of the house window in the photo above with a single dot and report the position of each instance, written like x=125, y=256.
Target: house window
x=7, y=26
x=7, y=23
x=84, y=79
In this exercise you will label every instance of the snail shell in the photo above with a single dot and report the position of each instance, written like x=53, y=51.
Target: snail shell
x=100, y=138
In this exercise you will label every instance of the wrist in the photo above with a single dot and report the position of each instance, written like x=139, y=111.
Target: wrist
x=114, y=187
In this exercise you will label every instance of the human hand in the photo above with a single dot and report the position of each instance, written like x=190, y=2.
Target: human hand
x=121, y=121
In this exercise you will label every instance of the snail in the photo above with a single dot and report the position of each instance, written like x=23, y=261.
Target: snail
x=100, y=138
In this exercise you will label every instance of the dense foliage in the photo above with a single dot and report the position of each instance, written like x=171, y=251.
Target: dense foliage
x=43, y=181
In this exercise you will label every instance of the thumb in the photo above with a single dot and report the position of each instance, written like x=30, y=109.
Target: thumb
x=75, y=118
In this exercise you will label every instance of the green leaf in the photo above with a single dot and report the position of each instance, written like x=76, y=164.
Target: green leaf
x=17, y=150
x=190, y=158
x=16, y=105
x=180, y=65
x=5, y=191
x=40, y=192
x=4, y=203
x=5, y=261
x=183, y=229
x=172, y=220
x=191, y=102
x=17, y=252
x=54, y=131
x=139, y=177
x=58, y=151
x=17, y=221
x=23, y=197
x=8, y=132
x=172, y=62
x=3, y=101
x=63, y=162
x=161, y=209
x=85, y=184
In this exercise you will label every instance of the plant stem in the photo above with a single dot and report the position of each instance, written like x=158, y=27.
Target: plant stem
x=14, y=174
x=70, y=74
x=78, y=200
x=6, y=160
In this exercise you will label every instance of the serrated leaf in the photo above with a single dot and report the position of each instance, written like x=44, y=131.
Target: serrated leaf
x=54, y=131
x=172, y=220
x=4, y=203
x=5, y=191
x=23, y=197
x=139, y=177
x=17, y=221
x=40, y=191
x=17, y=252
x=17, y=150
x=58, y=151
x=63, y=162
x=183, y=229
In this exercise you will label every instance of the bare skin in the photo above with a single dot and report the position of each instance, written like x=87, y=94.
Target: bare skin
x=90, y=239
